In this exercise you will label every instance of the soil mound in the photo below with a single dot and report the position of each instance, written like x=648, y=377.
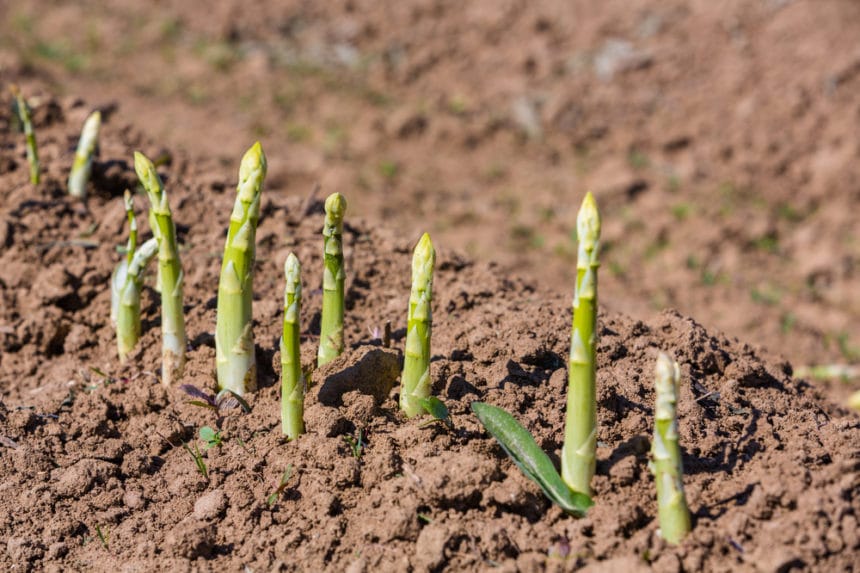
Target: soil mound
x=94, y=475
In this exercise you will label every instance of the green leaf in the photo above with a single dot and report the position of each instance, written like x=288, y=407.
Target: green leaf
x=519, y=444
x=436, y=408
x=210, y=436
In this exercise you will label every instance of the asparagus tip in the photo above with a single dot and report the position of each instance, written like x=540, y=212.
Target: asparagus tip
x=335, y=206
x=588, y=220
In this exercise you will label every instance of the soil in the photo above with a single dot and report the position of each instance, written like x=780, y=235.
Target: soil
x=95, y=477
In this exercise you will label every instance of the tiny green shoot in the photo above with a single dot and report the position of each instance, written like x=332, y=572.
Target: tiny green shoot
x=104, y=535
x=438, y=410
x=211, y=437
x=198, y=459
x=356, y=443
x=282, y=485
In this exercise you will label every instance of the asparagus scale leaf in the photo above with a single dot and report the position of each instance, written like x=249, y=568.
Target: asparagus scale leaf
x=234, y=335
x=83, y=163
x=331, y=326
x=521, y=447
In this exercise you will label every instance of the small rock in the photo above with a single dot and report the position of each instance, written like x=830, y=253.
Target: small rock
x=210, y=505
x=133, y=499
x=80, y=478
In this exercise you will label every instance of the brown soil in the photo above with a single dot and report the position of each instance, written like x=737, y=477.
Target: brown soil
x=772, y=467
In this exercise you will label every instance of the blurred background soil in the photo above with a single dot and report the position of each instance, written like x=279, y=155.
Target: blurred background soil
x=720, y=138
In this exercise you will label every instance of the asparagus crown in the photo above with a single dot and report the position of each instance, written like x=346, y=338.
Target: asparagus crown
x=293, y=287
x=588, y=232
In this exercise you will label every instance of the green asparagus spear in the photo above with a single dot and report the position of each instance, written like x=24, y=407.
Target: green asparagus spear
x=234, y=335
x=292, y=381
x=331, y=329
x=128, y=281
x=170, y=269
x=83, y=164
x=672, y=511
x=119, y=274
x=580, y=429
x=415, y=382
x=27, y=123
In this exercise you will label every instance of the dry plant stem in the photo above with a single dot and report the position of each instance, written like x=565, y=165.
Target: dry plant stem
x=415, y=380
x=29, y=134
x=580, y=430
x=83, y=163
x=331, y=328
x=170, y=271
x=128, y=308
x=672, y=511
x=234, y=335
x=292, y=381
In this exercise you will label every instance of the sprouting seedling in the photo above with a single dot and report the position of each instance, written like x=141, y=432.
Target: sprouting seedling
x=211, y=437
x=282, y=485
x=521, y=447
x=23, y=112
x=356, y=443
x=415, y=382
x=126, y=286
x=672, y=511
x=292, y=379
x=331, y=325
x=83, y=163
x=578, y=452
x=438, y=410
x=103, y=535
x=198, y=459
x=170, y=273
x=220, y=402
x=234, y=335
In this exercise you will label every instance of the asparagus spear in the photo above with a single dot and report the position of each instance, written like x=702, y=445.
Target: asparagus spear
x=27, y=123
x=580, y=429
x=83, y=164
x=119, y=273
x=415, y=381
x=170, y=271
x=234, y=335
x=672, y=511
x=129, y=280
x=292, y=381
x=331, y=329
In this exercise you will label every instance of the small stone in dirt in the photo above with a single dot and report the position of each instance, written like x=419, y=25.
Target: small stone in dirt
x=210, y=505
